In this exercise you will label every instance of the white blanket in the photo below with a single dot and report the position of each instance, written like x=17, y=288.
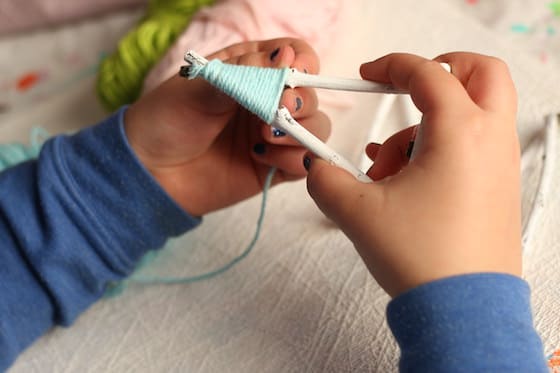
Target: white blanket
x=302, y=301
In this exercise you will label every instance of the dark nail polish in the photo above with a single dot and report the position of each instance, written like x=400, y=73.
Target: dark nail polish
x=306, y=162
x=409, y=149
x=274, y=54
x=259, y=148
x=305, y=71
x=299, y=103
x=277, y=133
x=184, y=71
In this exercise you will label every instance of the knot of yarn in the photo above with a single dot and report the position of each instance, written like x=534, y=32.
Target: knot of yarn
x=195, y=70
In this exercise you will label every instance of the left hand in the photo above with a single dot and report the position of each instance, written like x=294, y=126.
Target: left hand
x=208, y=152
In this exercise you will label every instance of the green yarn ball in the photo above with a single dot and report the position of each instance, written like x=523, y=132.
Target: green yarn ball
x=121, y=75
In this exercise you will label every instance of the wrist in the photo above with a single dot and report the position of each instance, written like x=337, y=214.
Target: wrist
x=467, y=320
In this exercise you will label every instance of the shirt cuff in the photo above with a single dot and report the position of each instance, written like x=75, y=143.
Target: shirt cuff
x=473, y=322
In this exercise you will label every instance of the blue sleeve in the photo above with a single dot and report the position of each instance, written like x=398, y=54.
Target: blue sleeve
x=75, y=219
x=470, y=323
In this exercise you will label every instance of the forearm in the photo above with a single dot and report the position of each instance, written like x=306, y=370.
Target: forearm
x=469, y=323
x=72, y=221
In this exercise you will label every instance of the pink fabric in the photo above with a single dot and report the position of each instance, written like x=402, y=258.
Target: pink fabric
x=20, y=15
x=233, y=21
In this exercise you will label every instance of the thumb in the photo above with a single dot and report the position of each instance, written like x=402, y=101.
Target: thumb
x=339, y=195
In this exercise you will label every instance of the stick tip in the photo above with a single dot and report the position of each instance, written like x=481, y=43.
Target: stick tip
x=194, y=58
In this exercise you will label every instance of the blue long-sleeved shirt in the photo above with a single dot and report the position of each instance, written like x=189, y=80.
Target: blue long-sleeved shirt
x=83, y=214
x=470, y=323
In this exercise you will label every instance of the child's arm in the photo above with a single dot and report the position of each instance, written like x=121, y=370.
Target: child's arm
x=467, y=323
x=89, y=207
x=453, y=210
x=80, y=216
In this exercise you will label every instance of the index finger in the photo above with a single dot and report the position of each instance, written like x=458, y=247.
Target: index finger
x=486, y=79
x=431, y=87
x=305, y=58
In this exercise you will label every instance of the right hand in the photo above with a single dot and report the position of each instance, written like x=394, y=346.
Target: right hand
x=455, y=207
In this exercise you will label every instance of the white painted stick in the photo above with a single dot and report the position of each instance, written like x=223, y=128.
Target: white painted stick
x=383, y=109
x=299, y=79
x=194, y=58
x=286, y=123
x=543, y=189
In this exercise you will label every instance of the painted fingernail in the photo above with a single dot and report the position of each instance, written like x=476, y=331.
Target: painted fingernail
x=277, y=133
x=184, y=71
x=274, y=54
x=305, y=71
x=259, y=148
x=306, y=162
x=409, y=149
x=299, y=103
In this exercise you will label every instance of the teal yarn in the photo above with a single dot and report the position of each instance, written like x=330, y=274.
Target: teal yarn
x=14, y=153
x=117, y=288
x=258, y=89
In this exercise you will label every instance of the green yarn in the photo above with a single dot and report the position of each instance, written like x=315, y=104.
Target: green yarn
x=121, y=75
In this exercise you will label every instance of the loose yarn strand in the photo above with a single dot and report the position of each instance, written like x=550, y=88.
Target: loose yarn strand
x=117, y=288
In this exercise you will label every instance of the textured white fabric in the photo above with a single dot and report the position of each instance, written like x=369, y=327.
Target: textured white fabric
x=18, y=16
x=302, y=301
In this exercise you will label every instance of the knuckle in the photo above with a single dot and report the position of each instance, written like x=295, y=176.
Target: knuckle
x=427, y=66
x=498, y=65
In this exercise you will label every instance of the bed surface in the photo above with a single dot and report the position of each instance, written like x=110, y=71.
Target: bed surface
x=302, y=301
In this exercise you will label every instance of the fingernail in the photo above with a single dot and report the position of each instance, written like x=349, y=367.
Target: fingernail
x=274, y=54
x=409, y=149
x=306, y=162
x=184, y=71
x=277, y=133
x=259, y=148
x=299, y=103
x=305, y=71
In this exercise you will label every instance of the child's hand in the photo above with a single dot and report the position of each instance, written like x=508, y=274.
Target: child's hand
x=455, y=208
x=204, y=149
